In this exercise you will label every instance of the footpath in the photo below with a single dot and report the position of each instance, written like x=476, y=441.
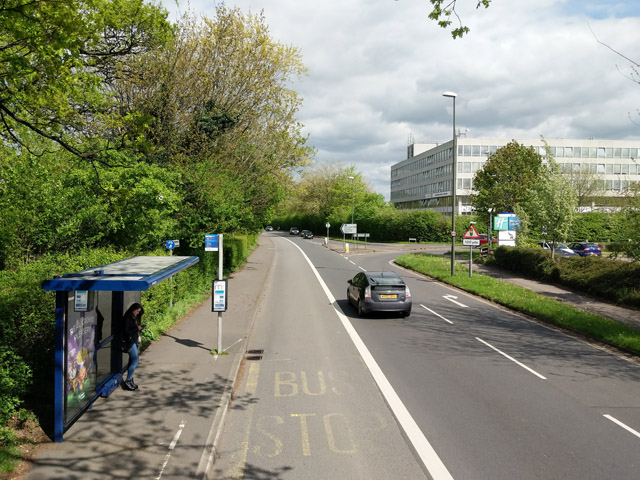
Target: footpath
x=184, y=387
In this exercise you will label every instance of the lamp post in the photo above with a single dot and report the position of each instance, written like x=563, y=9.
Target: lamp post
x=490, y=235
x=453, y=186
x=352, y=198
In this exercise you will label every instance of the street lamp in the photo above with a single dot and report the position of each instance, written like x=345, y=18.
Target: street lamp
x=453, y=187
x=352, y=199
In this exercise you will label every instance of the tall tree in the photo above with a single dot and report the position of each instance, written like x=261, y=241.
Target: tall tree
x=222, y=113
x=508, y=179
x=630, y=240
x=553, y=207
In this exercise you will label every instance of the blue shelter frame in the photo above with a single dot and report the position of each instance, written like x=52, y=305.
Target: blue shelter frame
x=89, y=309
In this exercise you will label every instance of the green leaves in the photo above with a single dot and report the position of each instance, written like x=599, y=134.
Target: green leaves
x=442, y=15
x=57, y=63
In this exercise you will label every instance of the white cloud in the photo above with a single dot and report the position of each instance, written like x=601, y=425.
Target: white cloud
x=377, y=71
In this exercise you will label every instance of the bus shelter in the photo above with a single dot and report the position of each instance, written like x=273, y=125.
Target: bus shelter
x=89, y=308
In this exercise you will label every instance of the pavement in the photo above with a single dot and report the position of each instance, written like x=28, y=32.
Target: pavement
x=182, y=383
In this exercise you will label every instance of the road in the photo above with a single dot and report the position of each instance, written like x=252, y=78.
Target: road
x=460, y=389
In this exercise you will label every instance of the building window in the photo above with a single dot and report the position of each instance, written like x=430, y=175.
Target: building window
x=601, y=169
x=600, y=152
x=625, y=169
x=608, y=169
x=616, y=169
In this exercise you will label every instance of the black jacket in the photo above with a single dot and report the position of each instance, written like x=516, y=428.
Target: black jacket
x=130, y=332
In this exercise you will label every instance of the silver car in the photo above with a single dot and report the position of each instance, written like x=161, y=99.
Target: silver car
x=561, y=249
x=379, y=292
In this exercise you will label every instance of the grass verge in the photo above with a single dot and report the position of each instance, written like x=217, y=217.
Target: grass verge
x=522, y=300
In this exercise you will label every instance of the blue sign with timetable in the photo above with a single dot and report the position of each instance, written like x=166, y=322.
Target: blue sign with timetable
x=211, y=243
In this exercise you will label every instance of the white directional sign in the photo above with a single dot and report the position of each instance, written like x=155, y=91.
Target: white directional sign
x=349, y=228
x=472, y=242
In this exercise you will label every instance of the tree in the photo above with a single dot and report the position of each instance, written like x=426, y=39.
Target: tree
x=222, y=114
x=587, y=186
x=328, y=192
x=553, y=207
x=631, y=232
x=508, y=179
x=58, y=61
x=442, y=15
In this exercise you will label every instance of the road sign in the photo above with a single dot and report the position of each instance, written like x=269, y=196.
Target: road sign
x=471, y=242
x=211, y=243
x=349, y=228
x=328, y=225
x=171, y=244
x=471, y=233
x=453, y=233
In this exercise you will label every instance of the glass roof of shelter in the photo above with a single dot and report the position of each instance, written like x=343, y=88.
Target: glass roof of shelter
x=133, y=274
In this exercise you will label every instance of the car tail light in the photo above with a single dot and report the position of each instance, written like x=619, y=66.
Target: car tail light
x=407, y=292
x=367, y=292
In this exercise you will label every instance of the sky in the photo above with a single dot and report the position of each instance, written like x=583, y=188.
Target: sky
x=378, y=69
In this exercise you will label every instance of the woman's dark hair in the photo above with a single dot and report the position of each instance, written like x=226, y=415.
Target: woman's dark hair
x=132, y=308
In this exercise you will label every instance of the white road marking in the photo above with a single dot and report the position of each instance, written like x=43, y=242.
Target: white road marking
x=172, y=445
x=619, y=423
x=437, y=314
x=453, y=298
x=425, y=451
x=364, y=270
x=512, y=359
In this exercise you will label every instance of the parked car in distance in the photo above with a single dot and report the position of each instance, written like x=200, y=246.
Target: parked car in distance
x=269, y=228
x=484, y=239
x=379, y=292
x=561, y=249
x=294, y=231
x=307, y=234
x=586, y=249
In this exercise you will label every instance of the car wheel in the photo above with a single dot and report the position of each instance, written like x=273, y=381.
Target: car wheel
x=361, y=308
x=404, y=314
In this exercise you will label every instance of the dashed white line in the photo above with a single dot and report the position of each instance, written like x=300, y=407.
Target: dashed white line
x=512, y=359
x=172, y=445
x=437, y=314
x=619, y=423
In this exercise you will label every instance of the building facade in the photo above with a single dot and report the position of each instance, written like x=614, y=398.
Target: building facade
x=425, y=179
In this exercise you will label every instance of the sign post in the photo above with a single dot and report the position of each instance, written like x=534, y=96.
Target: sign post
x=472, y=238
x=213, y=243
x=171, y=244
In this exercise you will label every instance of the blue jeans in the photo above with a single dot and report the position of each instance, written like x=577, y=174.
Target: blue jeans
x=133, y=361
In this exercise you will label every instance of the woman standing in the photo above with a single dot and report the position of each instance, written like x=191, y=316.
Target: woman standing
x=131, y=327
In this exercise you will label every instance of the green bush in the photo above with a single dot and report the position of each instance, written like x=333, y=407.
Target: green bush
x=15, y=380
x=611, y=280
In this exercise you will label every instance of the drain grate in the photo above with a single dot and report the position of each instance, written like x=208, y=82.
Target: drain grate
x=254, y=354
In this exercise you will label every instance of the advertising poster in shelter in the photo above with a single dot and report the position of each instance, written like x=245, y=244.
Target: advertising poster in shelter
x=80, y=362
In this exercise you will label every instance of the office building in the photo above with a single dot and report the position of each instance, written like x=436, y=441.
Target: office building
x=424, y=180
